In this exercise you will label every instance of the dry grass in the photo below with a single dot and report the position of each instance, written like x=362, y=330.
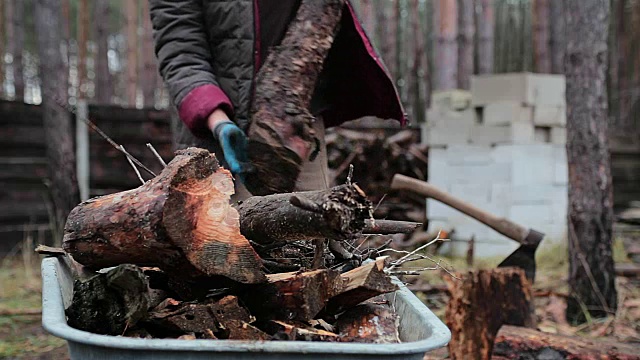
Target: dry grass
x=22, y=337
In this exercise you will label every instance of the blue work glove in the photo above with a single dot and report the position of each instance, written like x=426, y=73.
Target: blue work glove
x=234, y=147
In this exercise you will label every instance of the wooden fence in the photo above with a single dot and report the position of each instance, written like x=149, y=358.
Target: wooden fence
x=24, y=196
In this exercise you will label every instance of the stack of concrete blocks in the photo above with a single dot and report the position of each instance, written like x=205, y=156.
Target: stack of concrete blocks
x=500, y=147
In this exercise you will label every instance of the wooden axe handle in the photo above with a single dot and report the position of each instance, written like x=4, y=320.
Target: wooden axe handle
x=501, y=225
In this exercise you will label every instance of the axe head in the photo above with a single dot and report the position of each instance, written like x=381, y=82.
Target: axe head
x=524, y=257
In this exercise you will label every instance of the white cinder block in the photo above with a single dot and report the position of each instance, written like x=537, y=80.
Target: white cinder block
x=470, y=174
x=532, y=164
x=514, y=133
x=451, y=99
x=469, y=155
x=549, y=116
x=526, y=88
x=561, y=167
x=473, y=193
x=445, y=135
x=437, y=116
x=558, y=135
x=531, y=214
x=506, y=112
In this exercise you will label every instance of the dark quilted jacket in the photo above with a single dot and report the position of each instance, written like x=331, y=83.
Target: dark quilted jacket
x=208, y=57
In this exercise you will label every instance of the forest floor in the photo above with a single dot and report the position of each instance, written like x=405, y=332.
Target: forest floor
x=22, y=336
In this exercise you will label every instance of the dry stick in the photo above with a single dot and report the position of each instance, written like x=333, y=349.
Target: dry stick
x=133, y=166
x=399, y=261
x=20, y=312
x=153, y=150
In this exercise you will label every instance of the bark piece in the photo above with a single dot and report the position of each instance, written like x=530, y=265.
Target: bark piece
x=517, y=342
x=337, y=213
x=281, y=135
x=108, y=303
x=224, y=319
x=180, y=221
x=480, y=303
x=369, y=323
x=360, y=284
x=292, y=296
x=288, y=330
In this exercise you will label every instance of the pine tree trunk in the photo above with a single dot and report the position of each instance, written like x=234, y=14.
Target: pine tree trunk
x=466, y=49
x=445, y=23
x=15, y=42
x=541, y=36
x=83, y=32
x=2, y=47
x=381, y=28
x=486, y=25
x=104, y=83
x=149, y=69
x=419, y=66
x=591, y=271
x=57, y=120
x=557, y=37
x=366, y=13
x=391, y=38
x=131, y=24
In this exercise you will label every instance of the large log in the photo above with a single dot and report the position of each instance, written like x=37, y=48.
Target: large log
x=521, y=343
x=337, y=213
x=281, y=137
x=180, y=221
x=480, y=303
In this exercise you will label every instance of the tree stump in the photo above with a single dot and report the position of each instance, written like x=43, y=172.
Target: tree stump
x=481, y=302
x=281, y=135
x=180, y=221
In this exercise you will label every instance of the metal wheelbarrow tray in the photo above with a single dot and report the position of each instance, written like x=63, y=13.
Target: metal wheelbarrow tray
x=420, y=331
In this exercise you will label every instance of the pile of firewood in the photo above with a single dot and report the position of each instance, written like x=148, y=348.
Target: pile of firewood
x=187, y=264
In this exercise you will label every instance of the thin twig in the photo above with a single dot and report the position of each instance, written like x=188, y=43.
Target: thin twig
x=350, y=175
x=153, y=150
x=418, y=249
x=133, y=166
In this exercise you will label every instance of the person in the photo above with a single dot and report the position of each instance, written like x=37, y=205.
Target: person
x=209, y=52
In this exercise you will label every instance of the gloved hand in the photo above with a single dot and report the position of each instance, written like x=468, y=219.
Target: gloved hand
x=234, y=147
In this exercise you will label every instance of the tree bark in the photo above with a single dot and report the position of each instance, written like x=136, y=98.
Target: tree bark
x=557, y=37
x=466, y=46
x=104, y=83
x=445, y=21
x=180, y=221
x=419, y=80
x=337, y=213
x=2, y=48
x=391, y=40
x=149, y=69
x=15, y=43
x=522, y=343
x=366, y=8
x=56, y=118
x=486, y=28
x=480, y=303
x=541, y=36
x=591, y=271
x=83, y=31
x=281, y=136
x=131, y=25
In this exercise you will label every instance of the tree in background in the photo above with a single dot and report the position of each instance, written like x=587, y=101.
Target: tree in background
x=104, y=83
x=14, y=12
x=56, y=118
x=466, y=47
x=83, y=32
x=445, y=29
x=131, y=26
x=2, y=34
x=591, y=271
x=149, y=68
x=418, y=77
x=541, y=36
x=486, y=24
x=557, y=36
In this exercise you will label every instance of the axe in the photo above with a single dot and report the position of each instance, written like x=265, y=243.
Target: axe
x=529, y=239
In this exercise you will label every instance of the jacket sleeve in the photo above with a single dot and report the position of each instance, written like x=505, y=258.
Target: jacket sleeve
x=184, y=59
